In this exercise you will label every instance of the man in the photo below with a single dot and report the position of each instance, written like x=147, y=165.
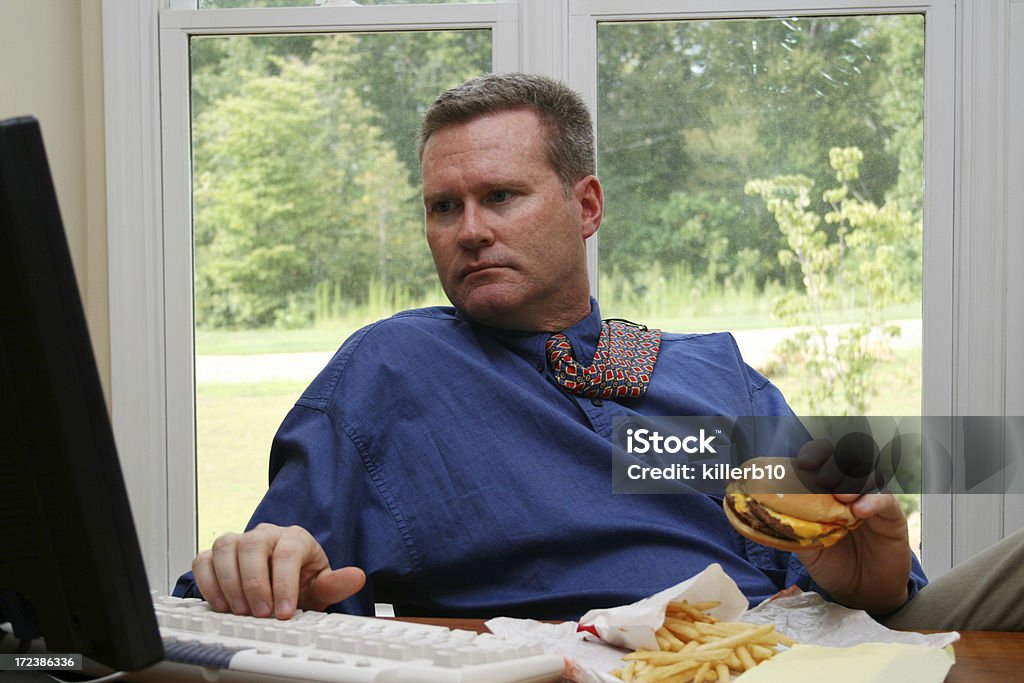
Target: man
x=459, y=456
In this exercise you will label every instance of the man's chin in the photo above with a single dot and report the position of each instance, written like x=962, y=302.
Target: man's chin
x=492, y=316
x=495, y=309
x=521, y=306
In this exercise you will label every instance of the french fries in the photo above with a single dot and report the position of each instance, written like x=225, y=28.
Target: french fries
x=695, y=647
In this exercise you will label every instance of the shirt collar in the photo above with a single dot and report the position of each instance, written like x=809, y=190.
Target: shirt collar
x=583, y=336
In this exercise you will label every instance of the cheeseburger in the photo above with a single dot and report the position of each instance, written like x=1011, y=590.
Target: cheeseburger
x=791, y=513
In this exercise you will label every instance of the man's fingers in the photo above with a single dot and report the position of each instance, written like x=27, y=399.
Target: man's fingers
x=254, y=550
x=332, y=586
x=882, y=515
x=206, y=580
x=813, y=454
x=847, y=497
x=296, y=561
x=850, y=471
x=271, y=570
x=883, y=505
x=225, y=567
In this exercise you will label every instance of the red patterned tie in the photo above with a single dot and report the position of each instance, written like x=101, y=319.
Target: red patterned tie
x=622, y=366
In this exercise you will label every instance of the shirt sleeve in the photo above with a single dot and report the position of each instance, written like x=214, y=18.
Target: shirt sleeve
x=765, y=396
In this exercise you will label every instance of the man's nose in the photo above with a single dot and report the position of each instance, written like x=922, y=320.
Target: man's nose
x=475, y=231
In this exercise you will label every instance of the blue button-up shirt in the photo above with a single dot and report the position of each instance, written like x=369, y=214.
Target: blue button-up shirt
x=441, y=457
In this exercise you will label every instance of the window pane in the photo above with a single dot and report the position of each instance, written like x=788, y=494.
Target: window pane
x=765, y=176
x=307, y=223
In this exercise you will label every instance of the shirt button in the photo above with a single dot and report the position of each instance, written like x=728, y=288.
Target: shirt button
x=597, y=402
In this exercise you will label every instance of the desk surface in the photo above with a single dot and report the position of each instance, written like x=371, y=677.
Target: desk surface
x=988, y=656
x=981, y=656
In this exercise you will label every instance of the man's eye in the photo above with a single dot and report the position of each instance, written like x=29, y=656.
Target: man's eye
x=443, y=206
x=499, y=196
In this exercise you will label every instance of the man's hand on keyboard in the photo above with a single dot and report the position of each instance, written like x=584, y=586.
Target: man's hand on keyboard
x=271, y=570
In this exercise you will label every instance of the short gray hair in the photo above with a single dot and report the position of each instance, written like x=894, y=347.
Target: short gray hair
x=564, y=116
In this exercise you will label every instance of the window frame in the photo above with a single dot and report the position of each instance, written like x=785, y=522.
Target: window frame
x=153, y=404
x=974, y=338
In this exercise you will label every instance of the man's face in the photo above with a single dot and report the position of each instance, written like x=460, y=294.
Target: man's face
x=507, y=242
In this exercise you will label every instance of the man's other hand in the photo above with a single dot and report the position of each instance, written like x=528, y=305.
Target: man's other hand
x=271, y=570
x=870, y=567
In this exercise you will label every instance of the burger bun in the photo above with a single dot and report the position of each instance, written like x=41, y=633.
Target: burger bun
x=794, y=502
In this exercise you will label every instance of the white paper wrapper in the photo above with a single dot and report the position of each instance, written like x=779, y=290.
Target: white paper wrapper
x=808, y=618
x=805, y=617
x=633, y=626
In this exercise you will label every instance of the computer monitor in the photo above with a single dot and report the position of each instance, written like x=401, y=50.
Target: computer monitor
x=71, y=569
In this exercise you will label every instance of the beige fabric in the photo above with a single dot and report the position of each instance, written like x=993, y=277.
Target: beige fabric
x=985, y=593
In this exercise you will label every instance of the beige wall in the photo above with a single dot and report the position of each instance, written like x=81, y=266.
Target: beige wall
x=51, y=67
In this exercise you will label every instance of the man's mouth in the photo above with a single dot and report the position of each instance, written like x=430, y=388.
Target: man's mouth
x=480, y=267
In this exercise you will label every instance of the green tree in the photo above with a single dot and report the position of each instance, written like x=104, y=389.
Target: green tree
x=252, y=203
x=294, y=186
x=304, y=158
x=902, y=108
x=695, y=108
x=397, y=75
x=216, y=63
x=858, y=266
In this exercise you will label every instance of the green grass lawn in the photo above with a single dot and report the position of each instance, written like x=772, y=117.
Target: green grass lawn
x=897, y=383
x=326, y=337
x=235, y=426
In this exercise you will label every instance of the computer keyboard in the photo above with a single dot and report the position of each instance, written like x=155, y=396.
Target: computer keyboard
x=316, y=646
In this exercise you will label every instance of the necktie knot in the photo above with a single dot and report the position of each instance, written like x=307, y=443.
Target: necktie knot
x=622, y=365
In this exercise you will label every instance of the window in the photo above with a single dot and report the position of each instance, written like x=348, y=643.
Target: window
x=704, y=125
x=743, y=139
x=291, y=154
x=307, y=223
x=765, y=177
x=154, y=181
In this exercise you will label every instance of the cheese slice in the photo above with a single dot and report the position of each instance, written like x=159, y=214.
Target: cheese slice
x=807, y=531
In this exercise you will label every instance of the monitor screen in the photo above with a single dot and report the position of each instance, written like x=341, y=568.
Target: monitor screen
x=71, y=569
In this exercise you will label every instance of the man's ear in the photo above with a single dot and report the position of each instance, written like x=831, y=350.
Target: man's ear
x=590, y=195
